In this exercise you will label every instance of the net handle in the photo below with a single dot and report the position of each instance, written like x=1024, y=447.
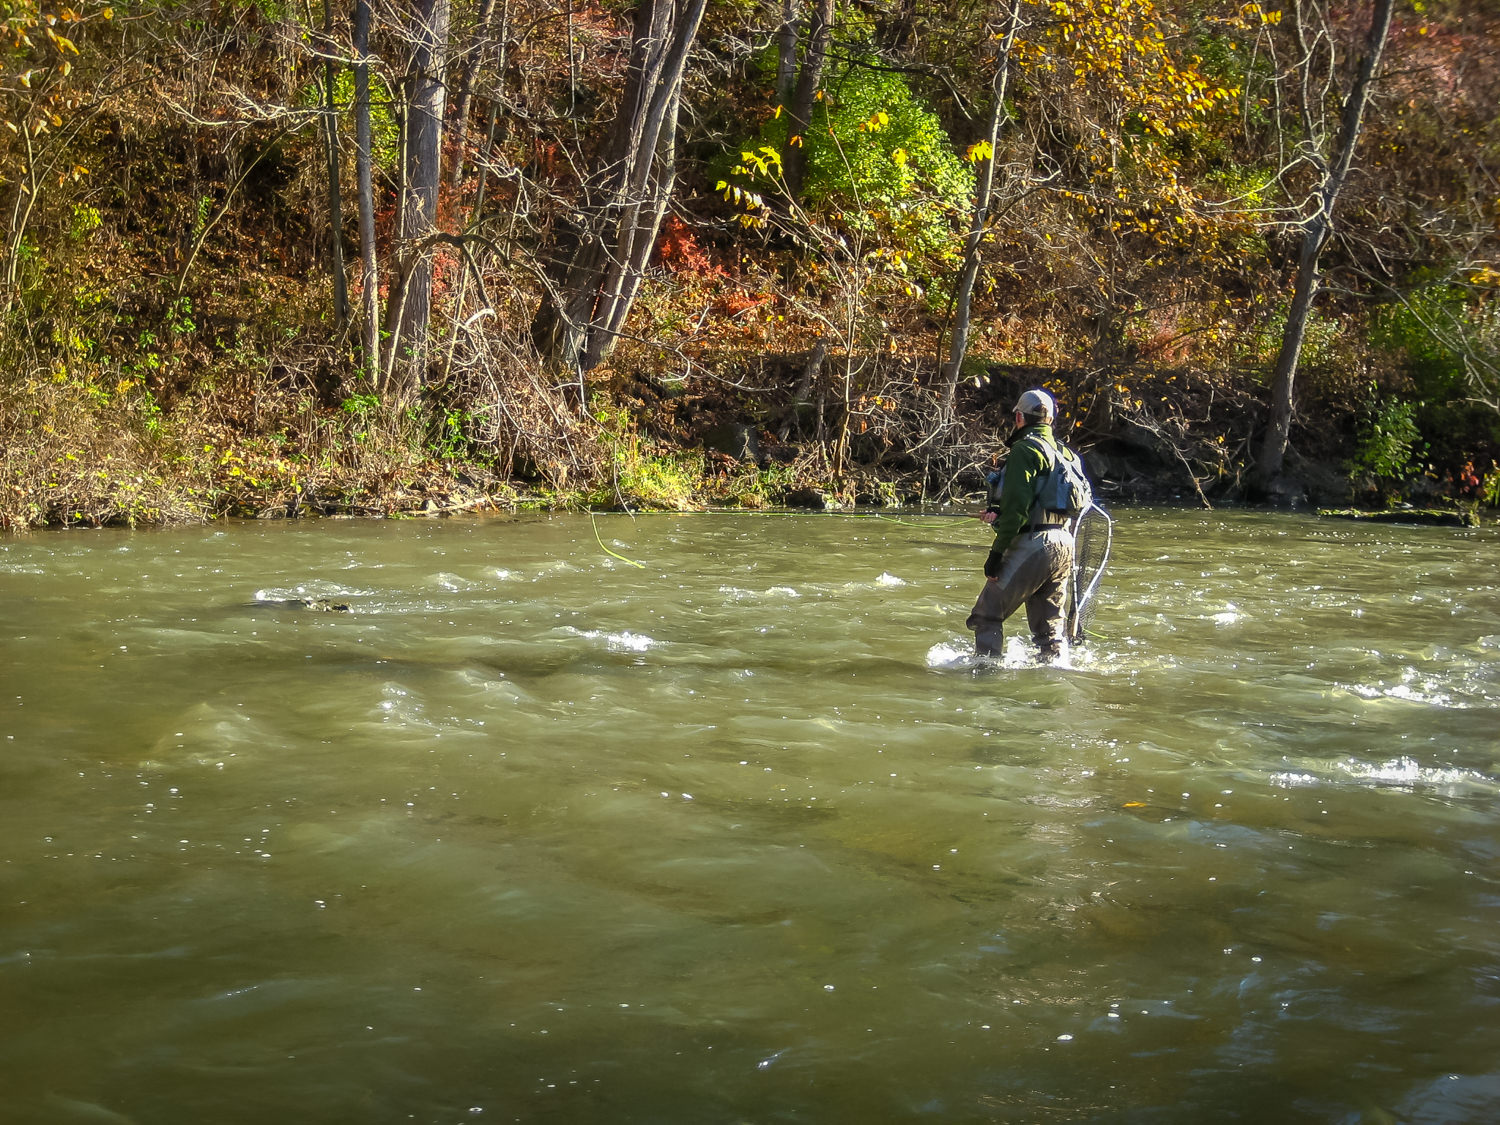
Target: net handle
x=1075, y=609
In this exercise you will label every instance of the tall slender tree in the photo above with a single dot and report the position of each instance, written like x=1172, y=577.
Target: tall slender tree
x=335, y=188
x=786, y=50
x=410, y=309
x=364, y=172
x=1332, y=169
x=984, y=192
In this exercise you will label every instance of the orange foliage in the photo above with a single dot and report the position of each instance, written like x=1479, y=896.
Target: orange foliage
x=679, y=252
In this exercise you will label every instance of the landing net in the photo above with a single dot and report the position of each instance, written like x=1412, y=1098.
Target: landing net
x=1092, y=536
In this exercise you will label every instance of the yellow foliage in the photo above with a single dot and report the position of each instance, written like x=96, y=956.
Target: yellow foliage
x=1122, y=49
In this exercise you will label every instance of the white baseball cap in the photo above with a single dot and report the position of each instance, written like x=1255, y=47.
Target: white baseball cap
x=1037, y=402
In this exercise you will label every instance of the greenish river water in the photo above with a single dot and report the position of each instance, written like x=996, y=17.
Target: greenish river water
x=741, y=835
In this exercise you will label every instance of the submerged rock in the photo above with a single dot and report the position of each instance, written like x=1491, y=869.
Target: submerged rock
x=317, y=605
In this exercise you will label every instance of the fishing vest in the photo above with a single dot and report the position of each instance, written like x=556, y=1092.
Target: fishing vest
x=1063, y=492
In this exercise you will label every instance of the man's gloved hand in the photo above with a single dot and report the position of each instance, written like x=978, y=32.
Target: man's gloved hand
x=992, y=564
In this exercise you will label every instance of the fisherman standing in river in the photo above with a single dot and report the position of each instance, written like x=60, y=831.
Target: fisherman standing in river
x=1031, y=561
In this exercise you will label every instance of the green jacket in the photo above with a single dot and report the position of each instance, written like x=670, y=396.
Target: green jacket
x=1024, y=471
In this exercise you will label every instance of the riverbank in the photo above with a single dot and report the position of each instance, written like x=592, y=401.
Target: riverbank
x=77, y=454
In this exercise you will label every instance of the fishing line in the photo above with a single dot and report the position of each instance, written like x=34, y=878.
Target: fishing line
x=940, y=521
x=909, y=523
x=613, y=554
x=935, y=519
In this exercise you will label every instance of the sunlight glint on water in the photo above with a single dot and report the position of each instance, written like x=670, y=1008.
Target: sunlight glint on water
x=526, y=833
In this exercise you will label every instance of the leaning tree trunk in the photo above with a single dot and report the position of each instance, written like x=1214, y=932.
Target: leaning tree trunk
x=963, y=298
x=1304, y=290
x=411, y=297
x=1316, y=233
x=596, y=278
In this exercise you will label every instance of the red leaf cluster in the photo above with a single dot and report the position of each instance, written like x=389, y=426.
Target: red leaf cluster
x=678, y=251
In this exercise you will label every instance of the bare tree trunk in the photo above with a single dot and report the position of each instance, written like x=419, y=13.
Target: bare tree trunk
x=411, y=310
x=335, y=192
x=637, y=240
x=591, y=290
x=984, y=191
x=477, y=54
x=809, y=77
x=476, y=213
x=811, y=370
x=786, y=50
x=1316, y=233
x=370, y=286
x=1304, y=290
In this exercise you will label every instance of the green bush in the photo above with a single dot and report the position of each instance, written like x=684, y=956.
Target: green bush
x=1413, y=328
x=1389, y=440
x=1442, y=335
x=878, y=164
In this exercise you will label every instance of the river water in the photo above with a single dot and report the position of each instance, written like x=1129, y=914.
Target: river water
x=740, y=833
